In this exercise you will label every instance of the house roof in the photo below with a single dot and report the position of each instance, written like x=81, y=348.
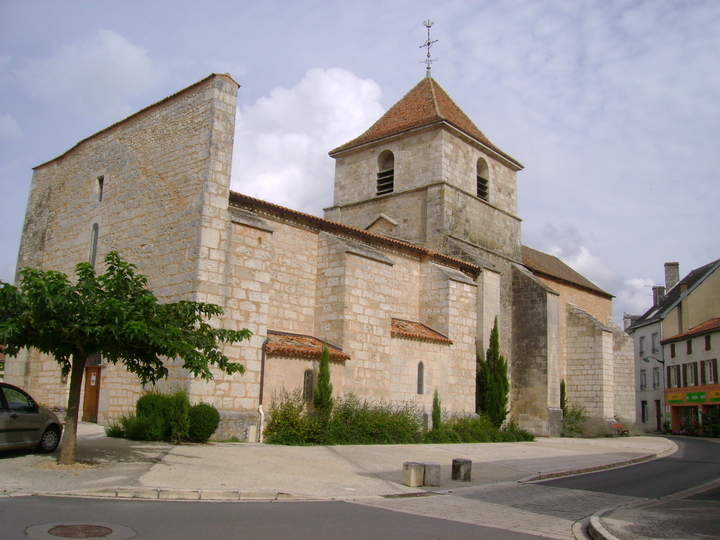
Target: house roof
x=415, y=330
x=675, y=295
x=299, y=346
x=332, y=226
x=713, y=325
x=426, y=104
x=540, y=263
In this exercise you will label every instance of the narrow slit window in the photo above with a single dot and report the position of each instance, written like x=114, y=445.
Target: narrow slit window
x=483, y=184
x=386, y=173
x=101, y=187
x=421, y=378
x=308, y=385
x=93, y=244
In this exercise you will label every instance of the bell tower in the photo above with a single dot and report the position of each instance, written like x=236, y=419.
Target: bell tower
x=425, y=174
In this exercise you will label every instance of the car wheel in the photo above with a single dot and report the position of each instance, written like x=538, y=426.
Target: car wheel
x=50, y=440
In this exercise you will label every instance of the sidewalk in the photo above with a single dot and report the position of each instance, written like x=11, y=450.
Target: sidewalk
x=126, y=468
x=497, y=496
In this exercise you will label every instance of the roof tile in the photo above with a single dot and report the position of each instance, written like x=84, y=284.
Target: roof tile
x=426, y=104
x=299, y=346
x=416, y=330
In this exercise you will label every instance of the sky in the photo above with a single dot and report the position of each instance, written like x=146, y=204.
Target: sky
x=612, y=106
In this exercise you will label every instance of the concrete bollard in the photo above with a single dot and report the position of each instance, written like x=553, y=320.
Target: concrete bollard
x=432, y=474
x=413, y=474
x=461, y=469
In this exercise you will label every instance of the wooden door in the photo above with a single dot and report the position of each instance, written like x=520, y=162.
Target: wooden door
x=92, y=394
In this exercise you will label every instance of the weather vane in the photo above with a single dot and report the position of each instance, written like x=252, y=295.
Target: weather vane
x=429, y=43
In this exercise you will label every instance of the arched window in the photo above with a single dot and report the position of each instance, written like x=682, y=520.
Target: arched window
x=308, y=385
x=421, y=378
x=483, y=174
x=93, y=244
x=386, y=173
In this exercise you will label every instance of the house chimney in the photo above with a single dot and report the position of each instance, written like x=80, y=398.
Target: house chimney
x=672, y=274
x=683, y=287
x=658, y=295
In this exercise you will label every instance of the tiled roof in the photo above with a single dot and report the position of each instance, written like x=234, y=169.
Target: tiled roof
x=542, y=263
x=299, y=346
x=674, y=295
x=416, y=330
x=426, y=104
x=325, y=224
x=712, y=325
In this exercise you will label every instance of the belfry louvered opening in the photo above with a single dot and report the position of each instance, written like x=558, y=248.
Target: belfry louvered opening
x=386, y=173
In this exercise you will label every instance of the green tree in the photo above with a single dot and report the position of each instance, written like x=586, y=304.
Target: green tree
x=436, y=412
x=322, y=399
x=113, y=314
x=493, y=385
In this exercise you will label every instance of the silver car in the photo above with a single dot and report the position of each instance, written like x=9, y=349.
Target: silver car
x=24, y=424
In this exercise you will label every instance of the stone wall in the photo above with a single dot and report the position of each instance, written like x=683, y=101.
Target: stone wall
x=166, y=176
x=590, y=379
x=536, y=365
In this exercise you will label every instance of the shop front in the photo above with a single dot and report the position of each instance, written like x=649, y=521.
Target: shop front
x=694, y=410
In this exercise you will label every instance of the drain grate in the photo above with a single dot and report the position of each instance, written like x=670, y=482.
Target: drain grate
x=80, y=531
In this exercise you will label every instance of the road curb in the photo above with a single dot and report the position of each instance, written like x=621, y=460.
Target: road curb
x=162, y=494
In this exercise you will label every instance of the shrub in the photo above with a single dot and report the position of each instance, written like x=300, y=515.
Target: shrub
x=356, y=421
x=475, y=429
x=352, y=421
x=115, y=429
x=177, y=416
x=152, y=404
x=155, y=405
x=143, y=428
x=203, y=420
x=289, y=420
x=573, y=421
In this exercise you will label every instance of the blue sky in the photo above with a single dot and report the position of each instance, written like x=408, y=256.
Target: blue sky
x=612, y=106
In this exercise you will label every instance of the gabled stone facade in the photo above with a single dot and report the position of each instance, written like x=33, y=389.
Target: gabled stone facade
x=403, y=278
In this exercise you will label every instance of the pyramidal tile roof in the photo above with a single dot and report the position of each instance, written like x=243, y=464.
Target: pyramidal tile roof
x=426, y=104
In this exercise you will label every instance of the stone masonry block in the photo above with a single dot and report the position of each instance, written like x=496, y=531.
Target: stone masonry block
x=413, y=473
x=461, y=469
x=432, y=474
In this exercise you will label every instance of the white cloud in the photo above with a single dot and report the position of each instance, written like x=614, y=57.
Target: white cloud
x=97, y=76
x=9, y=128
x=282, y=140
x=635, y=297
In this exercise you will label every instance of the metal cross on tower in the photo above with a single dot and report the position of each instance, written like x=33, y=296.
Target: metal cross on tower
x=429, y=43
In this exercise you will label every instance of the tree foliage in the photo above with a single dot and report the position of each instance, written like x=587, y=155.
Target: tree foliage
x=436, y=411
x=493, y=385
x=322, y=399
x=113, y=314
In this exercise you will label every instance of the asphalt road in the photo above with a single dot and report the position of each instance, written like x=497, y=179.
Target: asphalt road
x=695, y=463
x=209, y=520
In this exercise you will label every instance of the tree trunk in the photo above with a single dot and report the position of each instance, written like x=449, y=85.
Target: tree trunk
x=69, y=440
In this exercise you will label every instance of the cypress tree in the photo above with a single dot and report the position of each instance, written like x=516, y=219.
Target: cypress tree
x=493, y=385
x=322, y=399
x=436, y=412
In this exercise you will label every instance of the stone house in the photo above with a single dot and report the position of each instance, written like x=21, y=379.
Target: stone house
x=678, y=307
x=402, y=278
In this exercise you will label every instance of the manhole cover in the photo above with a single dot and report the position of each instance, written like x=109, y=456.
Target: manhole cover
x=80, y=531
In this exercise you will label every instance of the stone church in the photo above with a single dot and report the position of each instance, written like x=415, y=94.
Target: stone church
x=402, y=278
